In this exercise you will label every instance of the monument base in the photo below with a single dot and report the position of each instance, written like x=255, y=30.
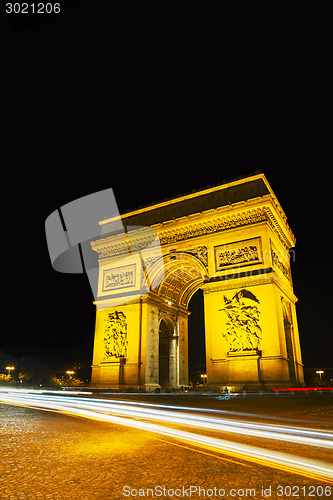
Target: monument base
x=240, y=370
x=152, y=387
x=248, y=370
x=244, y=369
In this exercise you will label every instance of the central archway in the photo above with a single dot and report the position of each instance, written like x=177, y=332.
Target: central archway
x=183, y=274
x=163, y=354
x=196, y=338
x=288, y=330
x=168, y=353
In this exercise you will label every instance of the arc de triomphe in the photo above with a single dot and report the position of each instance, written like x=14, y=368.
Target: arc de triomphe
x=233, y=242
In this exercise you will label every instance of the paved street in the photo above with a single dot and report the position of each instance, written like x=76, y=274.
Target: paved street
x=48, y=455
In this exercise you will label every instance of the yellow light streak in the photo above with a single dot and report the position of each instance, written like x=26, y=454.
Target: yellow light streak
x=95, y=410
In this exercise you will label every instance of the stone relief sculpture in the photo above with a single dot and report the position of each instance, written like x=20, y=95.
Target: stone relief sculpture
x=242, y=332
x=115, y=335
x=240, y=255
x=201, y=253
x=120, y=277
x=277, y=261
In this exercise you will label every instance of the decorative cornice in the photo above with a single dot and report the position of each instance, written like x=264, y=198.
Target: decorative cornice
x=245, y=283
x=219, y=223
x=132, y=241
x=236, y=283
x=191, y=227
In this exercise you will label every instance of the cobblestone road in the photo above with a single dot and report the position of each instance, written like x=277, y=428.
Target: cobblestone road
x=47, y=455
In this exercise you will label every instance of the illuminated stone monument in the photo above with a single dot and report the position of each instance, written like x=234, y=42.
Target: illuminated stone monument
x=233, y=242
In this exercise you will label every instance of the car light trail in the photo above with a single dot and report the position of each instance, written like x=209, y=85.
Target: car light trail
x=297, y=435
x=152, y=405
x=96, y=409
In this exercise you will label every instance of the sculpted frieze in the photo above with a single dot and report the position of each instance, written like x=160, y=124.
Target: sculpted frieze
x=119, y=277
x=201, y=254
x=109, y=247
x=242, y=330
x=212, y=225
x=115, y=336
x=238, y=254
x=277, y=262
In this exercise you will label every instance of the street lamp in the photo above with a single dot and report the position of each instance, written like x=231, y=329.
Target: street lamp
x=70, y=373
x=320, y=372
x=204, y=378
x=10, y=368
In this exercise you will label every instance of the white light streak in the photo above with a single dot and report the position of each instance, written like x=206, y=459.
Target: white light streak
x=124, y=413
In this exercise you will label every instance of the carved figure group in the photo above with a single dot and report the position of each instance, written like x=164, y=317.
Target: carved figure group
x=118, y=279
x=242, y=331
x=115, y=335
x=279, y=264
x=238, y=256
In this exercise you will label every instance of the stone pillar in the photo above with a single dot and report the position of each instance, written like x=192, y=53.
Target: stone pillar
x=151, y=373
x=216, y=351
x=173, y=361
x=297, y=348
x=119, y=349
x=183, y=348
x=245, y=336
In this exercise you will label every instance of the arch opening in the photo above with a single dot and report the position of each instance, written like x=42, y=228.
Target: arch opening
x=196, y=339
x=183, y=275
x=288, y=331
x=167, y=353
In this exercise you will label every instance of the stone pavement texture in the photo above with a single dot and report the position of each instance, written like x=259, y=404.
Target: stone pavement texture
x=47, y=455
